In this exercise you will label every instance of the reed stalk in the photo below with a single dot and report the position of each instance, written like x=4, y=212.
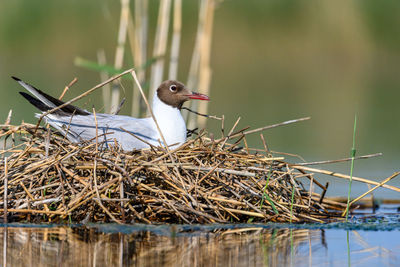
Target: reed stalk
x=353, y=155
x=160, y=46
x=5, y=199
x=106, y=92
x=291, y=204
x=119, y=52
x=200, y=71
x=137, y=33
x=193, y=79
x=370, y=190
x=205, y=68
x=175, y=43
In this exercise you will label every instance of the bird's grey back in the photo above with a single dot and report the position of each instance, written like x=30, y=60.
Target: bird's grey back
x=78, y=124
x=110, y=128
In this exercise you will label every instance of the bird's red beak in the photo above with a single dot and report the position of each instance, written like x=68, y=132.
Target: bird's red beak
x=198, y=96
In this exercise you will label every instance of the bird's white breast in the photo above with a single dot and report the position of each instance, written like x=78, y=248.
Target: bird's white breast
x=170, y=120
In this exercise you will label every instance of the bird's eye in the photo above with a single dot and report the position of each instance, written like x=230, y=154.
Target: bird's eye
x=172, y=88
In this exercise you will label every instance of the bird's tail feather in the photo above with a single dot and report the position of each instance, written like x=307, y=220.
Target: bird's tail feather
x=45, y=102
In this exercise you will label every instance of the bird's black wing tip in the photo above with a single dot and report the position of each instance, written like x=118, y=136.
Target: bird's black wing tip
x=15, y=78
x=37, y=103
x=23, y=94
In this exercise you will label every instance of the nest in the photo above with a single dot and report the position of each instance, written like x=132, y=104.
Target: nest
x=46, y=178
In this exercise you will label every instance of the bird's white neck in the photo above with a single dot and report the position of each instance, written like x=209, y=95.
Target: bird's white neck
x=170, y=120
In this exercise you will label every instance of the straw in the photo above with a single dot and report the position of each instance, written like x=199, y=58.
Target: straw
x=203, y=182
x=119, y=52
x=137, y=33
x=200, y=70
x=106, y=92
x=176, y=37
x=160, y=45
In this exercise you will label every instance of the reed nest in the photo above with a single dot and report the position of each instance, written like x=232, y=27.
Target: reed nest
x=46, y=178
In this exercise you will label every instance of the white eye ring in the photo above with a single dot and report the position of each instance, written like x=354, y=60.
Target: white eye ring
x=172, y=88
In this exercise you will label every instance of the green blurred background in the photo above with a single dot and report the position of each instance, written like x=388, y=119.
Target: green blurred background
x=271, y=61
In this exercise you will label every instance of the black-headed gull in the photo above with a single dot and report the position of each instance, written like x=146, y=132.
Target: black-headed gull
x=79, y=124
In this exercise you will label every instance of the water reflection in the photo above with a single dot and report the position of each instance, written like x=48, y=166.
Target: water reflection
x=172, y=246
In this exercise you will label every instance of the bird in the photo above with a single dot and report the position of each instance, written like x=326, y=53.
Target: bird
x=129, y=133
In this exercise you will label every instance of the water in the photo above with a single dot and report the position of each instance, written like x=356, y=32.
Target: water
x=367, y=241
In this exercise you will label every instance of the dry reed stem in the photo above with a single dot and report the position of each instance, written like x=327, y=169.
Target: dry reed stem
x=8, y=120
x=176, y=38
x=230, y=132
x=106, y=92
x=134, y=46
x=67, y=88
x=5, y=199
x=344, y=176
x=160, y=45
x=137, y=33
x=119, y=53
x=193, y=76
x=371, y=190
x=205, y=68
x=338, y=160
x=33, y=211
x=200, y=71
